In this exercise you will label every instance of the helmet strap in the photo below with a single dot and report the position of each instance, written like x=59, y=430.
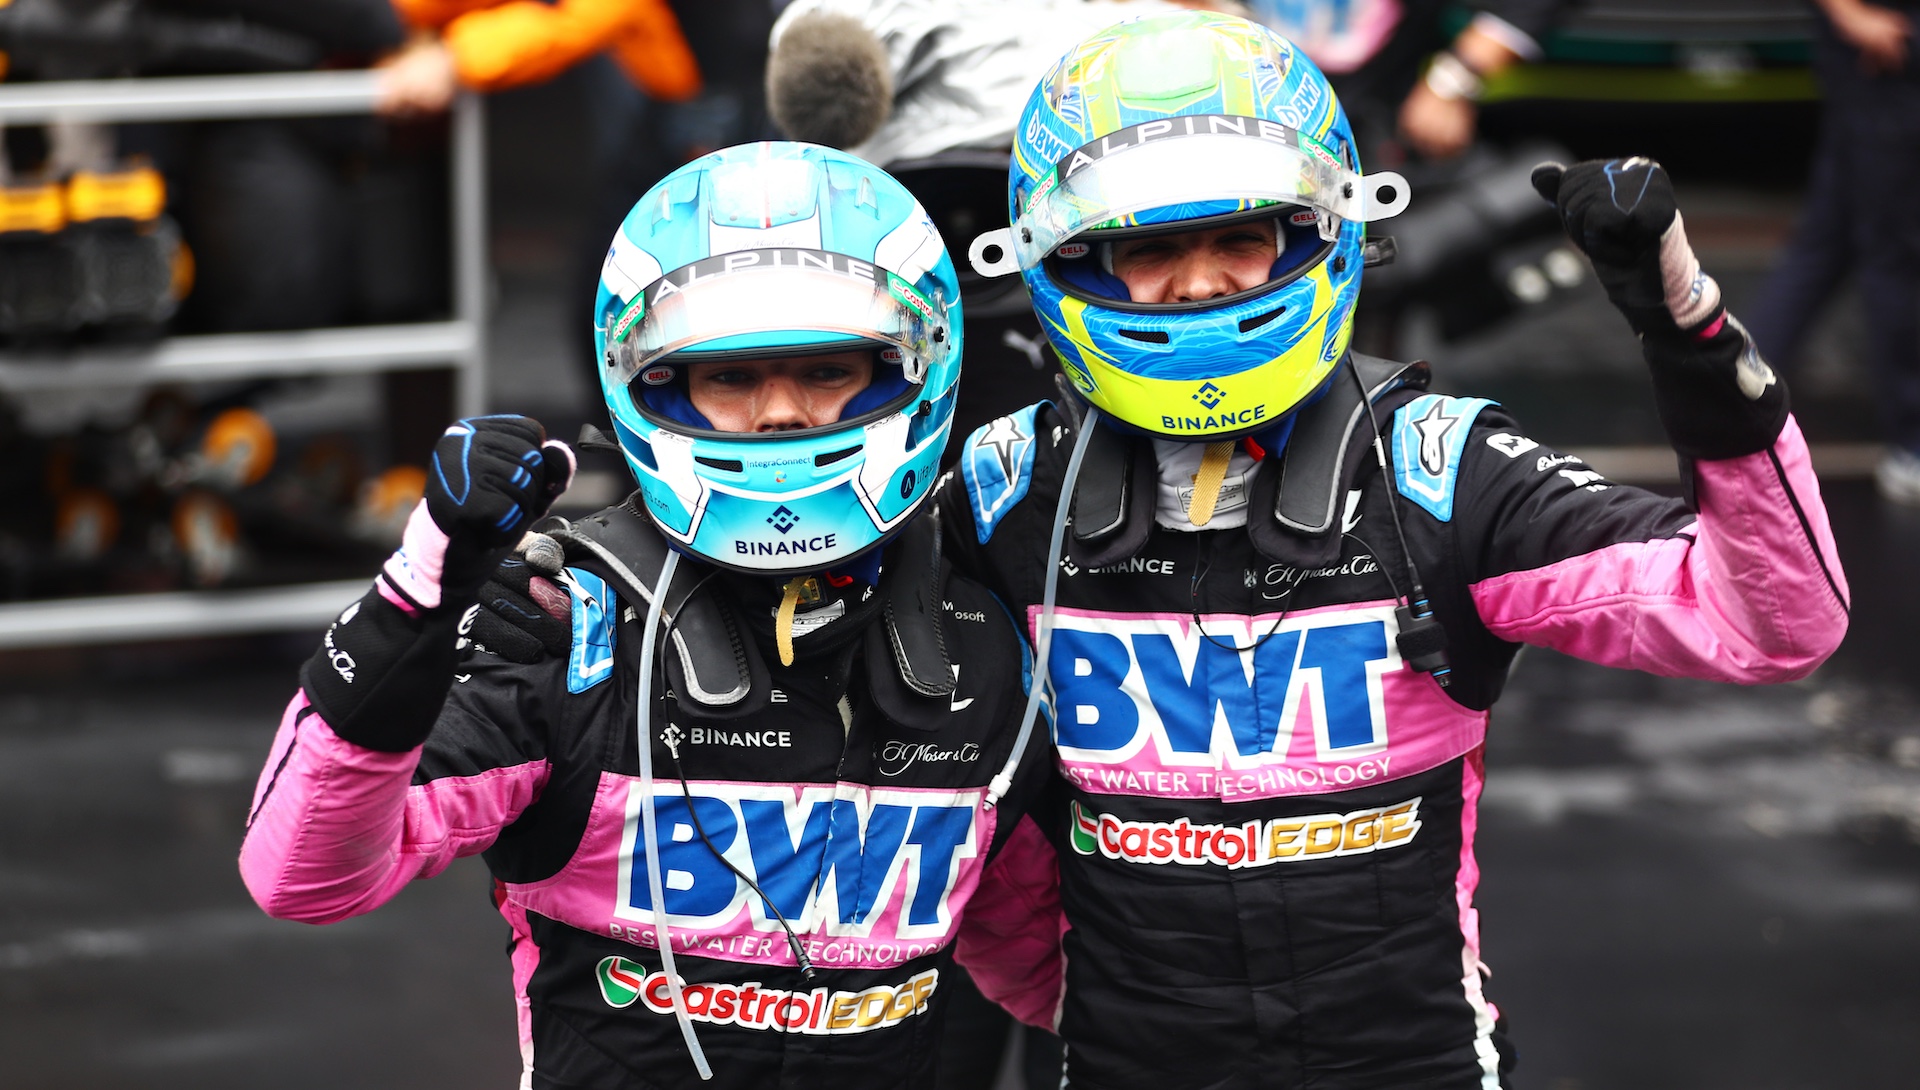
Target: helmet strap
x=783, y=620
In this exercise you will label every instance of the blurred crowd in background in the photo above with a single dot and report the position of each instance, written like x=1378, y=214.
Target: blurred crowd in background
x=116, y=237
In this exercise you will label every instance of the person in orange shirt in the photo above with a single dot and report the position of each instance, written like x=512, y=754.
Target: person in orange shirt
x=488, y=45
x=661, y=82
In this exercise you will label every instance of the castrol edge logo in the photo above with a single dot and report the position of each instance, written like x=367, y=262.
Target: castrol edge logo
x=1248, y=844
x=819, y=1012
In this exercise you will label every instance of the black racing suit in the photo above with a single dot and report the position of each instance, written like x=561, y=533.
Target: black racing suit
x=855, y=802
x=1264, y=837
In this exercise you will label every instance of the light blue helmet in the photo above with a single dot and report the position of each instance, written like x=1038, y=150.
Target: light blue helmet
x=779, y=249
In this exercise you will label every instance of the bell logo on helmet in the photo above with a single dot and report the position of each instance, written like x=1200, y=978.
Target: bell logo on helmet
x=1073, y=251
x=1209, y=395
x=892, y=355
x=1304, y=218
x=657, y=376
x=783, y=519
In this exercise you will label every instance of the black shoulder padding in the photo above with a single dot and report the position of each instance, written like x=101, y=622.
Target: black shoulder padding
x=1100, y=495
x=1328, y=435
x=1113, y=499
x=908, y=668
x=911, y=592
x=1323, y=458
x=714, y=665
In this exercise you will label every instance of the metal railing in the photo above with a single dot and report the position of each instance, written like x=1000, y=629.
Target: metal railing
x=458, y=343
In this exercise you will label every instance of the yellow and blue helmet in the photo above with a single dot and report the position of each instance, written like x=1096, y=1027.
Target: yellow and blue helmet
x=779, y=249
x=1177, y=123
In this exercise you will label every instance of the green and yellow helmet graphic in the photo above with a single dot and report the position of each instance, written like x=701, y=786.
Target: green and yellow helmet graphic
x=1175, y=123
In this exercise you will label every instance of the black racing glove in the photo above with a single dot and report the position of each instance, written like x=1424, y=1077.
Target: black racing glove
x=383, y=669
x=1716, y=396
x=492, y=477
x=524, y=614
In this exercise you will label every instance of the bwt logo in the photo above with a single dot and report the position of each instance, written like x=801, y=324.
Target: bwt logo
x=879, y=864
x=1123, y=684
x=1209, y=395
x=783, y=519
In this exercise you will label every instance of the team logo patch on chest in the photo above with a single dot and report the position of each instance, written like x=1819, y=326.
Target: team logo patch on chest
x=867, y=877
x=750, y=1006
x=1231, y=706
x=1248, y=844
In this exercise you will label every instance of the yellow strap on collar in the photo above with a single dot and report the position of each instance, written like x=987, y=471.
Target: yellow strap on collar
x=783, y=620
x=1206, y=483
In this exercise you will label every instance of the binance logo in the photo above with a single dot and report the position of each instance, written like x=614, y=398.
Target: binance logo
x=783, y=519
x=1209, y=395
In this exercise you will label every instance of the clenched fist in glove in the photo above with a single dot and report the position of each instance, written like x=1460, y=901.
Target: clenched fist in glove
x=384, y=667
x=1717, y=397
x=491, y=478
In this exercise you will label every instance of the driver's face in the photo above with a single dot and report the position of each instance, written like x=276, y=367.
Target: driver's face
x=1196, y=265
x=782, y=394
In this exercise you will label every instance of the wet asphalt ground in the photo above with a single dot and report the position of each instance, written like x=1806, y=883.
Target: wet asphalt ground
x=1686, y=885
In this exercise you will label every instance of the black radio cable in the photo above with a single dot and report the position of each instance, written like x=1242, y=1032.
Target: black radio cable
x=1421, y=640
x=1200, y=571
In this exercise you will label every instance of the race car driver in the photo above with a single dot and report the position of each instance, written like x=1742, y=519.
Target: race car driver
x=825, y=754
x=1275, y=586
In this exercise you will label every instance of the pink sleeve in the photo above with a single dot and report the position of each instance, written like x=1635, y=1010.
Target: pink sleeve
x=337, y=829
x=1009, y=938
x=1751, y=593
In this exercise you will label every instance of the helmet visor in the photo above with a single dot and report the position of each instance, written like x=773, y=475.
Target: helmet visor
x=1188, y=159
x=770, y=292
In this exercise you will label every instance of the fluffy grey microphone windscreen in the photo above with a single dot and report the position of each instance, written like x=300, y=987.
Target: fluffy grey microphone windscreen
x=828, y=81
